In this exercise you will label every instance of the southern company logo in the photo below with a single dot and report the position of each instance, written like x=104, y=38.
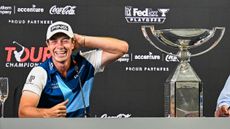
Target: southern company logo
x=146, y=15
x=6, y=10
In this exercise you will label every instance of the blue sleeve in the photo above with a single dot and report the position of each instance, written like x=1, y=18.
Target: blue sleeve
x=224, y=97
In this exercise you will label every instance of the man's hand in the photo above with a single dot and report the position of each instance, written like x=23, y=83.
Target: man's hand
x=223, y=111
x=79, y=40
x=58, y=110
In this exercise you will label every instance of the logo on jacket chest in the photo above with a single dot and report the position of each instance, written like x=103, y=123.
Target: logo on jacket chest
x=54, y=85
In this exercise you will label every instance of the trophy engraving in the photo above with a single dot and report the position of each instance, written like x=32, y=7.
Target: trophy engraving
x=183, y=88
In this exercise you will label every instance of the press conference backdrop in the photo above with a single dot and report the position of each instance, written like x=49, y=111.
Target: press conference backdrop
x=133, y=85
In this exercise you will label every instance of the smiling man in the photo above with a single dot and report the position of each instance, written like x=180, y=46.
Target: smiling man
x=61, y=86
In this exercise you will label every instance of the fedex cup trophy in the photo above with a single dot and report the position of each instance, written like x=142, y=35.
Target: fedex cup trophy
x=183, y=90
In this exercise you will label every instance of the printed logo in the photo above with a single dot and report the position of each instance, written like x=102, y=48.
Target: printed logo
x=51, y=65
x=150, y=56
x=59, y=26
x=54, y=85
x=171, y=58
x=124, y=58
x=147, y=68
x=20, y=56
x=33, y=9
x=146, y=15
x=32, y=77
x=118, y=116
x=30, y=21
x=6, y=10
x=67, y=10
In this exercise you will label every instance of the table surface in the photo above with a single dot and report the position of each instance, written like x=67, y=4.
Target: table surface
x=115, y=123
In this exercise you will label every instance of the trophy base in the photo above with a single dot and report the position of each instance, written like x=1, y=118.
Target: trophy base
x=183, y=93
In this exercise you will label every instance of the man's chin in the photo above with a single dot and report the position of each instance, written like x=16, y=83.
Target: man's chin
x=61, y=60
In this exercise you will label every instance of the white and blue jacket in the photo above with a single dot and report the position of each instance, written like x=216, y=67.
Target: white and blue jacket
x=52, y=88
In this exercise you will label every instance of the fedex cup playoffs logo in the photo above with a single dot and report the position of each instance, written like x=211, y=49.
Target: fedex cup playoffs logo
x=20, y=56
x=145, y=15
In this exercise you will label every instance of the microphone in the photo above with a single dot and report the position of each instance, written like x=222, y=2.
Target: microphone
x=82, y=94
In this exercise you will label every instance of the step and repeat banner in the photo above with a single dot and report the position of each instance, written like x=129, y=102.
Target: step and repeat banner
x=133, y=86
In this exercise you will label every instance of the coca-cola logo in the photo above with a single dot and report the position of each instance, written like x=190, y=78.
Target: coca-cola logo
x=67, y=10
x=171, y=58
x=118, y=116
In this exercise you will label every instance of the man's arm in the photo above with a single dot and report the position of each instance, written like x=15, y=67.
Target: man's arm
x=31, y=96
x=112, y=48
x=223, y=101
x=28, y=107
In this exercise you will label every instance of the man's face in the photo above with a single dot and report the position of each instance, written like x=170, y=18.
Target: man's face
x=60, y=46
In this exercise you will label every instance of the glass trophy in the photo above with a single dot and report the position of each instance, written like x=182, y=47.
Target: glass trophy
x=183, y=90
x=4, y=90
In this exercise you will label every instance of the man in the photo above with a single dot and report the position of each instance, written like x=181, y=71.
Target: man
x=61, y=86
x=223, y=102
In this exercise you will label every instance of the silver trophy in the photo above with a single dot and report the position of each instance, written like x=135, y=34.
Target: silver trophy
x=183, y=88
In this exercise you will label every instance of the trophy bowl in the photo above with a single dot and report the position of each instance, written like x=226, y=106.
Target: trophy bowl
x=184, y=37
x=183, y=88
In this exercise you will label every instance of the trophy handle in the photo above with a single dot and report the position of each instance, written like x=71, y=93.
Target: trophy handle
x=222, y=29
x=143, y=28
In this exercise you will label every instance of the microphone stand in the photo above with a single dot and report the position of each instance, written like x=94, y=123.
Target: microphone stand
x=82, y=94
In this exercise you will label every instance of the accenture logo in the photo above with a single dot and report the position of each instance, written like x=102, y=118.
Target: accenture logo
x=33, y=9
x=146, y=15
x=150, y=56
x=66, y=10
